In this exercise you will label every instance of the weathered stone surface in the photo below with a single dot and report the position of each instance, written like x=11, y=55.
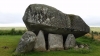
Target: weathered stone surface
x=78, y=26
x=70, y=41
x=55, y=42
x=77, y=23
x=26, y=43
x=40, y=42
x=50, y=20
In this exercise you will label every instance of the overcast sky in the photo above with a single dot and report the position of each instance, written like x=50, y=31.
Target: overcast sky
x=12, y=11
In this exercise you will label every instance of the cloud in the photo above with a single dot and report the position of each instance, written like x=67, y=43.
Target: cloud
x=92, y=20
x=13, y=25
x=6, y=18
x=12, y=11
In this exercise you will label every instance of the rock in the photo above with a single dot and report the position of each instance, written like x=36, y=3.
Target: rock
x=86, y=46
x=76, y=47
x=70, y=41
x=40, y=42
x=78, y=25
x=26, y=43
x=55, y=42
x=50, y=20
x=82, y=46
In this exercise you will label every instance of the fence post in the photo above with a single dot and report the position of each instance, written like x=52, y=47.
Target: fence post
x=92, y=35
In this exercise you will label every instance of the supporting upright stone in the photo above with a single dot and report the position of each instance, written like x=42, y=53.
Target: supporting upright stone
x=40, y=42
x=26, y=43
x=70, y=41
x=55, y=42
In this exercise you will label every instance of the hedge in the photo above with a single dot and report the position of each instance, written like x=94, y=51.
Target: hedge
x=12, y=32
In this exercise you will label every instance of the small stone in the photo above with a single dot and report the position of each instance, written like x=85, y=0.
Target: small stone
x=70, y=41
x=81, y=46
x=55, y=42
x=76, y=47
x=40, y=42
x=86, y=46
x=26, y=43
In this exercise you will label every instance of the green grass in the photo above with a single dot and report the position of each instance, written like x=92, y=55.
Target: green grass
x=10, y=42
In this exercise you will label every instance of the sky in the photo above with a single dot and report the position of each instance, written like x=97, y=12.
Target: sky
x=12, y=11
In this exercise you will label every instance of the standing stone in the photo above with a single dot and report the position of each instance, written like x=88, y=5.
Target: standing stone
x=26, y=43
x=40, y=42
x=55, y=42
x=70, y=41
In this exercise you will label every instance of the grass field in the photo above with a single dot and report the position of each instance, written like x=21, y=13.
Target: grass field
x=8, y=44
x=97, y=29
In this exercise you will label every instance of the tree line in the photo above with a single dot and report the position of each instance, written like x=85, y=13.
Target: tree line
x=12, y=32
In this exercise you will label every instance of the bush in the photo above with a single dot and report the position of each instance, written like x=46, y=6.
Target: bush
x=12, y=32
x=95, y=32
x=83, y=51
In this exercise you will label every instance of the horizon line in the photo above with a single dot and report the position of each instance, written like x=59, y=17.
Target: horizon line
x=22, y=25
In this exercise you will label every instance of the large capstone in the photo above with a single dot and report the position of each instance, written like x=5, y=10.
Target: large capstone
x=40, y=42
x=55, y=42
x=50, y=20
x=78, y=26
x=26, y=43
